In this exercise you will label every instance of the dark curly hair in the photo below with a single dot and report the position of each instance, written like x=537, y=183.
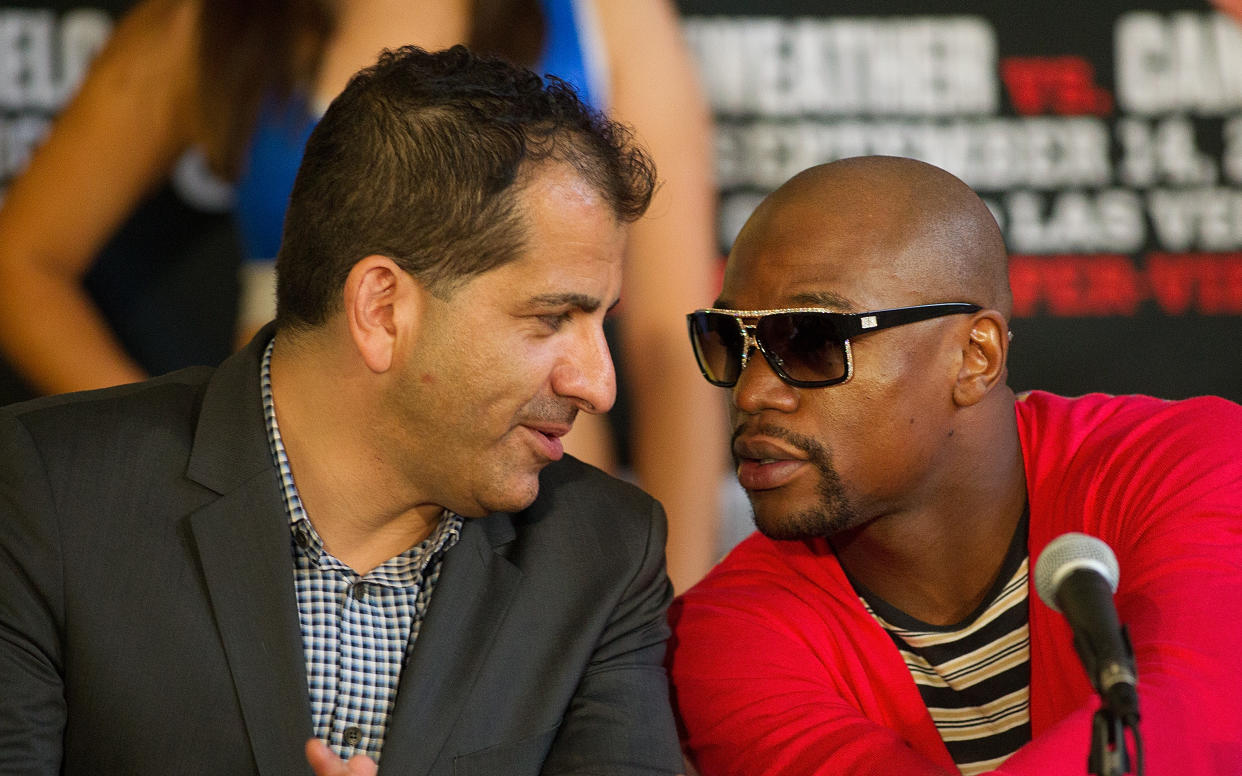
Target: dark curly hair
x=422, y=158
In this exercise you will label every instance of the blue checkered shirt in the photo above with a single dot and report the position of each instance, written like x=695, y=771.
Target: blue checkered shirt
x=357, y=631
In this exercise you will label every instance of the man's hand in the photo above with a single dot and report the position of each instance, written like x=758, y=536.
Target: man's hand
x=325, y=762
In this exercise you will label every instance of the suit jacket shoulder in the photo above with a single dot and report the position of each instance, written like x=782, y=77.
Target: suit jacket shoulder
x=543, y=647
x=148, y=620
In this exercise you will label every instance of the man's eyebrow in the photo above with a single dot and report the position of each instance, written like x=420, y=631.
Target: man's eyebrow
x=588, y=304
x=826, y=299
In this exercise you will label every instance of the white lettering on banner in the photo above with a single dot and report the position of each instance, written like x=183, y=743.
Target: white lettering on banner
x=988, y=154
x=26, y=60
x=921, y=66
x=42, y=61
x=1077, y=221
x=1178, y=62
x=1134, y=170
x=1163, y=152
x=1207, y=219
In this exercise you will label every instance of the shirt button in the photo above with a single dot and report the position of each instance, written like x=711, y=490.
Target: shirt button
x=359, y=591
x=352, y=735
x=300, y=536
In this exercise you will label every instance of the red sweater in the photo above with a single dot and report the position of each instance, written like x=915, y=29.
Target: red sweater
x=778, y=669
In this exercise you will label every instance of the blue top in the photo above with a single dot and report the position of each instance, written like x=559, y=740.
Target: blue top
x=281, y=130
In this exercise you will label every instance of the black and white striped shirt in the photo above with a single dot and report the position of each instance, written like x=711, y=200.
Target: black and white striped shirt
x=973, y=676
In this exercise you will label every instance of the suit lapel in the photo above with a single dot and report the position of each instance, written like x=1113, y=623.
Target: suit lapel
x=246, y=560
x=476, y=587
x=242, y=540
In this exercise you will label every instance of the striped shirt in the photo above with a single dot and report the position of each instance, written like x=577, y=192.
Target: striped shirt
x=974, y=677
x=357, y=631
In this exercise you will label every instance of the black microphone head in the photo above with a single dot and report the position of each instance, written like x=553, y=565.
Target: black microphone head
x=1070, y=552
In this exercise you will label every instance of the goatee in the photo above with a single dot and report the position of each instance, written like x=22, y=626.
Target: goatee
x=830, y=514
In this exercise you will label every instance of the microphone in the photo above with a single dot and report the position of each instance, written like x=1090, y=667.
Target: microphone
x=1077, y=575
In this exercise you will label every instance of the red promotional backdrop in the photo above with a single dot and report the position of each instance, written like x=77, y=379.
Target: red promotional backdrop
x=1105, y=137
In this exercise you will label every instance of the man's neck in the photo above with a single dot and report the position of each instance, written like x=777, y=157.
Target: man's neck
x=937, y=560
x=362, y=508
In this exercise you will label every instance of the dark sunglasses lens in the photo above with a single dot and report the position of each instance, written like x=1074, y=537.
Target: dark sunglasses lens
x=717, y=345
x=807, y=345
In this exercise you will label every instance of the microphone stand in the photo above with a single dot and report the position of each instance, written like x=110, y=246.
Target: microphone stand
x=1108, y=756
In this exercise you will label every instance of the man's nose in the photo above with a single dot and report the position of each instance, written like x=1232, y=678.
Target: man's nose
x=759, y=388
x=586, y=374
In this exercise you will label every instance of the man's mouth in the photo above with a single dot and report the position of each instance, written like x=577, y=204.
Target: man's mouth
x=765, y=464
x=547, y=438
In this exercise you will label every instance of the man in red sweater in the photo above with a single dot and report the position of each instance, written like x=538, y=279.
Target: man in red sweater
x=883, y=621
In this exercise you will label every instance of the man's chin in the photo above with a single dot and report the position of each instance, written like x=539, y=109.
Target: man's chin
x=782, y=528
x=515, y=498
x=787, y=513
x=807, y=524
x=777, y=517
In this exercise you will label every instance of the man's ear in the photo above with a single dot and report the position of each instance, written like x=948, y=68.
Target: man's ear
x=984, y=354
x=381, y=302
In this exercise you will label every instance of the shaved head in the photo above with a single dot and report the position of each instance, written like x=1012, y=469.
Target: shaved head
x=924, y=400
x=909, y=225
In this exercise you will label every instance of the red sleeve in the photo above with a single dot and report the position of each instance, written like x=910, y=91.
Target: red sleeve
x=1161, y=483
x=763, y=688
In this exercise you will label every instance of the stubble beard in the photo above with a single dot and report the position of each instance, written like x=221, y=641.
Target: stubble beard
x=832, y=512
x=521, y=477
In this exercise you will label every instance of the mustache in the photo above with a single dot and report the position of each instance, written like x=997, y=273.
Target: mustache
x=814, y=449
x=549, y=410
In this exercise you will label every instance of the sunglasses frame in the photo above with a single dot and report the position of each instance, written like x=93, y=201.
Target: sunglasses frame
x=849, y=325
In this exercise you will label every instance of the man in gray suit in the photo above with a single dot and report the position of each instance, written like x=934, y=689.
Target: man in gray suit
x=361, y=530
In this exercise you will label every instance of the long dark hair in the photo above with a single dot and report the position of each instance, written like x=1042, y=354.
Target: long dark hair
x=250, y=50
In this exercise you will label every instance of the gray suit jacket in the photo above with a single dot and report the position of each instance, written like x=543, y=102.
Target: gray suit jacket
x=148, y=621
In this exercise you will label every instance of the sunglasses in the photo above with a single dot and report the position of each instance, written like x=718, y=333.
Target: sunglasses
x=807, y=347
